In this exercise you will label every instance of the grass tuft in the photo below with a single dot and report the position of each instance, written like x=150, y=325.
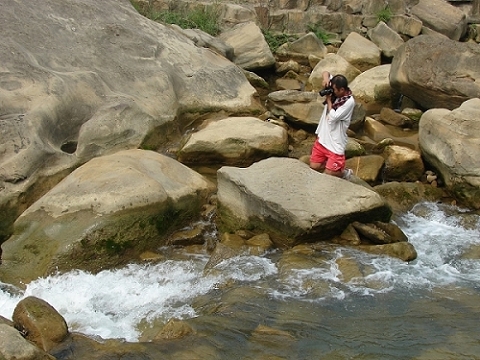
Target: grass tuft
x=385, y=14
x=205, y=18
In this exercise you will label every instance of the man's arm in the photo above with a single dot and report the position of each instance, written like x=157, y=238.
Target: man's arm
x=343, y=113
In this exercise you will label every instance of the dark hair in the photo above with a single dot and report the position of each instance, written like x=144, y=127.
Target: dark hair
x=339, y=81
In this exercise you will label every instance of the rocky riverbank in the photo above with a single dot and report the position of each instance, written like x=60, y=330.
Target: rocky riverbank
x=107, y=113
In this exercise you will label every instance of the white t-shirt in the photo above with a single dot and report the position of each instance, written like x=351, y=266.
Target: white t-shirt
x=332, y=128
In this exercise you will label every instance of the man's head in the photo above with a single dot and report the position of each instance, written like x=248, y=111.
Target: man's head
x=339, y=85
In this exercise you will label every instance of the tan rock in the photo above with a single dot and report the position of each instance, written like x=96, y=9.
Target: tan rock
x=220, y=253
x=402, y=164
x=386, y=39
x=249, y=45
x=14, y=347
x=334, y=64
x=442, y=17
x=349, y=269
x=372, y=89
x=402, y=196
x=360, y=52
x=41, y=323
x=391, y=117
x=234, y=141
x=407, y=25
x=175, y=329
x=402, y=250
x=366, y=167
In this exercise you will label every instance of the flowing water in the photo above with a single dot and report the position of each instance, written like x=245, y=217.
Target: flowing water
x=338, y=303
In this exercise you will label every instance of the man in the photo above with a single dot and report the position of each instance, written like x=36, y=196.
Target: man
x=328, y=152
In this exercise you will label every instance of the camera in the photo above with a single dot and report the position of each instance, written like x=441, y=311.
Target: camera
x=326, y=91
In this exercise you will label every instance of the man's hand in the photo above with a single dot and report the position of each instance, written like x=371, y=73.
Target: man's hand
x=328, y=99
x=325, y=79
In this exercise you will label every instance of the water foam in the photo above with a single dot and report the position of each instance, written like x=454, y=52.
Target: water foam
x=112, y=303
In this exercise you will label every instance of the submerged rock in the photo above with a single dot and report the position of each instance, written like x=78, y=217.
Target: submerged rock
x=403, y=250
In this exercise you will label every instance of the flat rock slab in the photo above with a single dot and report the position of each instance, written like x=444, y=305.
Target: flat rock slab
x=293, y=203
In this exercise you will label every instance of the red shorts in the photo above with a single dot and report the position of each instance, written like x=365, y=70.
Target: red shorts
x=332, y=161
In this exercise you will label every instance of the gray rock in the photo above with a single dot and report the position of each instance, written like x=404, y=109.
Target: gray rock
x=372, y=89
x=436, y=72
x=250, y=48
x=450, y=141
x=86, y=78
x=442, y=17
x=267, y=197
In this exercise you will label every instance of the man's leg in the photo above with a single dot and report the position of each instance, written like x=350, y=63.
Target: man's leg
x=335, y=165
x=334, y=173
x=318, y=158
x=317, y=166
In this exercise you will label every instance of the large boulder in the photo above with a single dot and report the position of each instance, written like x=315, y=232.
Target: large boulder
x=302, y=108
x=441, y=17
x=406, y=25
x=360, y=52
x=386, y=39
x=372, y=89
x=334, y=64
x=103, y=214
x=234, y=141
x=302, y=48
x=436, y=72
x=286, y=199
x=251, y=51
x=85, y=78
x=450, y=141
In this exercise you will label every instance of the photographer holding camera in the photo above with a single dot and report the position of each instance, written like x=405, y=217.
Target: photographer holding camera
x=328, y=152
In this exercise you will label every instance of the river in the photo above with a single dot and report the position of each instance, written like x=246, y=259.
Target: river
x=253, y=307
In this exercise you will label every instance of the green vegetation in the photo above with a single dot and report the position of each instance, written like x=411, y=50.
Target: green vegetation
x=205, y=18
x=385, y=14
x=320, y=33
x=274, y=41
